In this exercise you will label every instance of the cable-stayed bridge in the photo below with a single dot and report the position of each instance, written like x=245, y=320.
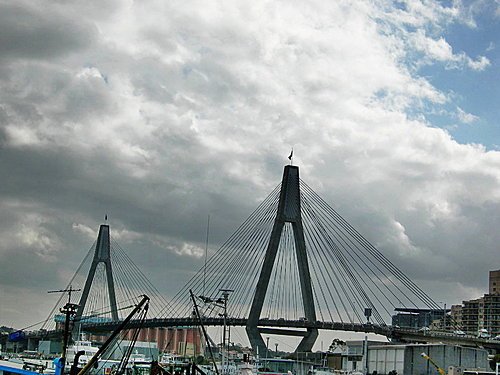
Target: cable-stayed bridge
x=294, y=266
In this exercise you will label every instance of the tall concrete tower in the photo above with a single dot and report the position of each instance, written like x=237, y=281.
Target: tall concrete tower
x=289, y=211
x=102, y=254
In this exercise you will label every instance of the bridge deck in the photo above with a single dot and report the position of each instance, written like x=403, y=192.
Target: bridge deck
x=400, y=334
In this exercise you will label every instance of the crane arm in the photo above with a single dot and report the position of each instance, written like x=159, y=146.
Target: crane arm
x=431, y=361
x=97, y=355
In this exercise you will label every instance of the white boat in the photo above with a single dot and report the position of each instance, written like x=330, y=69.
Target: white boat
x=169, y=359
x=246, y=368
x=30, y=363
x=84, y=346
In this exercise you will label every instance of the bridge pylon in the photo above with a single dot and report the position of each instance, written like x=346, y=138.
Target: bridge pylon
x=289, y=211
x=102, y=254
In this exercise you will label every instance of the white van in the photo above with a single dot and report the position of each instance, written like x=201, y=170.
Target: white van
x=483, y=333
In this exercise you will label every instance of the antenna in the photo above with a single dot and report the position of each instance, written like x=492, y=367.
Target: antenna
x=69, y=310
x=206, y=255
x=68, y=290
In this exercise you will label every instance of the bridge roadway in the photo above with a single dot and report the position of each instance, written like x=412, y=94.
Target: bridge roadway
x=282, y=326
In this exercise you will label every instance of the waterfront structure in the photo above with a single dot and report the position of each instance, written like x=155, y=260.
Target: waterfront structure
x=416, y=318
x=407, y=359
x=456, y=312
x=494, y=284
x=185, y=341
x=483, y=313
x=48, y=347
x=470, y=315
x=353, y=356
x=145, y=350
x=491, y=314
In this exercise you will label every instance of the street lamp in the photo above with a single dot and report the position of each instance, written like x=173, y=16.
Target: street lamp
x=276, y=345
x=267, y=349
x=221, y=302
x=225, y=295
x=444, y=315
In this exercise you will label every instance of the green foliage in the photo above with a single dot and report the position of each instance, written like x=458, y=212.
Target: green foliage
x=335, y=344
x=494, y=361
x=200, y=360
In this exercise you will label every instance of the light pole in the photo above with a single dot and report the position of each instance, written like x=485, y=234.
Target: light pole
x=225, y=295
x=276, y=345
x=267, y=349
x=444, y=316
x=221, y=302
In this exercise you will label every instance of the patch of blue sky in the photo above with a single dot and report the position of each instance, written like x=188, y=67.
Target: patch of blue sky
x=475, y=92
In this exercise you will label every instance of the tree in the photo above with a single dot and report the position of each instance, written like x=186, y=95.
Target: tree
x=494, y=361
x=336, y=343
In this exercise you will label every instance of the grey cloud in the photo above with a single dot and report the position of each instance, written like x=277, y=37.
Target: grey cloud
x=22, y=269
x=62, y=180
x=39, y=93
x=3, y=136
x=40, y=33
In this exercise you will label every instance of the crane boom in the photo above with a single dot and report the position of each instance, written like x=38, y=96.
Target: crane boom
x=431, y=361
x=95, y=358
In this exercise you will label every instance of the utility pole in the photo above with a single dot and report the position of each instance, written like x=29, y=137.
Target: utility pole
x=205, y=334
x=69, y=310
x=225, y=349
x=365, y=355
x=267, y=350
x=444, y=316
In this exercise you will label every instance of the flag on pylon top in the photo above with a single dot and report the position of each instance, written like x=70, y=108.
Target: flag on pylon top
x=291, y=155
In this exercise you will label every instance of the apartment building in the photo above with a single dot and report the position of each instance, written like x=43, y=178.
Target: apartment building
x=483, y=312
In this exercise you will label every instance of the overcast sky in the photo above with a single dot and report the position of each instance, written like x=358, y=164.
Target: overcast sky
x=159, y=113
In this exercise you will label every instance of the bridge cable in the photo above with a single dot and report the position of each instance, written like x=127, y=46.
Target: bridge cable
x=63, y=296
x=351, y=254
x=341, y=267
x=376, y=253
x=351, y=271
x=220, y=254
x=358, y=254
x=321, y=273
x=312, y=237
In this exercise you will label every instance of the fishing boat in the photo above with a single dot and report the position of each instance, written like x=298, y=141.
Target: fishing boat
x=86, y=350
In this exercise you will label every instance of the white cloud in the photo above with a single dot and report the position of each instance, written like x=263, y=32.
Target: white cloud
x=440, y=50
x=464, y=117
x=33, y=233
x=187, y=250
x=125, y=236
x=481, y=63
x=85, y=230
